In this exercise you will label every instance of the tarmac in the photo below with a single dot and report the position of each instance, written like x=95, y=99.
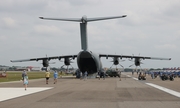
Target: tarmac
x=112, y=92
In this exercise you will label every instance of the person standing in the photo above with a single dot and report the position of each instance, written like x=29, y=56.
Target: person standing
x=85, y=75
x=99, y=74
x=81, y=75
x=23, y=73
x=55, y=77
x=119, y=75
x=104, y=75
x=25, y=80
x=47, y=75
x=152, y=75
x=161, y=75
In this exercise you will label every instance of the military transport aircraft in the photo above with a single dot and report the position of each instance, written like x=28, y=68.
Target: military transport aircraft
x=86, y=60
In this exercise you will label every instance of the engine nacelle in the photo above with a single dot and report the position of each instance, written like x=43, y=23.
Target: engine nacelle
x=137, y=61
x=67, y=61
x=45, y=62
x=115, y=60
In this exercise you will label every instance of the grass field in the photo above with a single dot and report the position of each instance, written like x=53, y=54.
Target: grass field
x=17, y=75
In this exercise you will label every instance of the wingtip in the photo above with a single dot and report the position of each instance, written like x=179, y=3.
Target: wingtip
x=124, y=15
x=169, y=58
x=41, y=17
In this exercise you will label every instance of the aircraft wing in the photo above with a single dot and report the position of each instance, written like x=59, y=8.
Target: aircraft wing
x=49, y=58
x=127, y=56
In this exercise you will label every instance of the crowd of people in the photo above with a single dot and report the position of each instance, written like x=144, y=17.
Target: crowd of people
x=84, y=76
x=163, y=75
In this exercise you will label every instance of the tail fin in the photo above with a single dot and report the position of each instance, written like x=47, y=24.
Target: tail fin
x=83, y=26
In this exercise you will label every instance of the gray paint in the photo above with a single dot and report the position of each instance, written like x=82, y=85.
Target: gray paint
x=84, y=39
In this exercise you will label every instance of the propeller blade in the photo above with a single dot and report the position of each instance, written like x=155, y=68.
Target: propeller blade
x=131, y=65
x=112, y=65
x=72, y=66
x=121, y=65
x=141, y=63
x=52, y=63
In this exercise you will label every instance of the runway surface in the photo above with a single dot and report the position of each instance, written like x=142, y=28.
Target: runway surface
x=92, y=93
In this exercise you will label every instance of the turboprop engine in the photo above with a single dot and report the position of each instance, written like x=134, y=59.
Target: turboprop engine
x=116, y=61
x=67, y=62
x=45, y=62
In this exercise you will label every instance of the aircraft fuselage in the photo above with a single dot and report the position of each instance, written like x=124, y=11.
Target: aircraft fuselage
x=89, y=61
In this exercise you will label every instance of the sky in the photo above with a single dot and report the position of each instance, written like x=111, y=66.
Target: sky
x=151, y=29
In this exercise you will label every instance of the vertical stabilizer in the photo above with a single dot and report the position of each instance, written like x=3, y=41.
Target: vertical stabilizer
x=83, y=26
x=84, y=40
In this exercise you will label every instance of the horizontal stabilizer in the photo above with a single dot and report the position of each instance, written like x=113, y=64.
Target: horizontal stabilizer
x=84, y=19
x=104, y=18
x=63, y=19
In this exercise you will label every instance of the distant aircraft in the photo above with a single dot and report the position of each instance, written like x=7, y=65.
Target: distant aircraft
x=86, y=60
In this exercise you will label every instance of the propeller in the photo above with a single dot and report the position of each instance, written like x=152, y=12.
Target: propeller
x=67, y=62
x=137, y=62
x=45, y=62
x=116, y=61
x=131, y=65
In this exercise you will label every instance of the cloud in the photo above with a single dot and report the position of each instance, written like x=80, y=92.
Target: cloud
x=150, y=28
x=167, y=47
x=82, y=2
x=9, y=22
x=3, y=38
x=47, y=29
